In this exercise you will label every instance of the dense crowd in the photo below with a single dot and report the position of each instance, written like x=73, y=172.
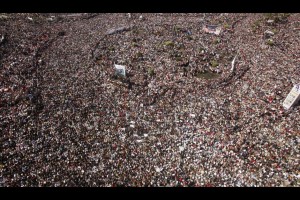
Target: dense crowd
x=184, y=115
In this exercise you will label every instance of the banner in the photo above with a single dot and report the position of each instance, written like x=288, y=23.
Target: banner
x=120, y=70
x=292, y=98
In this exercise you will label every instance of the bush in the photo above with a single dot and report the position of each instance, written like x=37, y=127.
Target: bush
x=151, y=72
x=214, y=63
x=270, y=42
x=169, y=43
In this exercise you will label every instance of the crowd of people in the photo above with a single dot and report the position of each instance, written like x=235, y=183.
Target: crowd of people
x=184, y=115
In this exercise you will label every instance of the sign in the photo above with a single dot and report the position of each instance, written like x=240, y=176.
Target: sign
x=292, y=98
x=212, y=29
x=120, y=70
